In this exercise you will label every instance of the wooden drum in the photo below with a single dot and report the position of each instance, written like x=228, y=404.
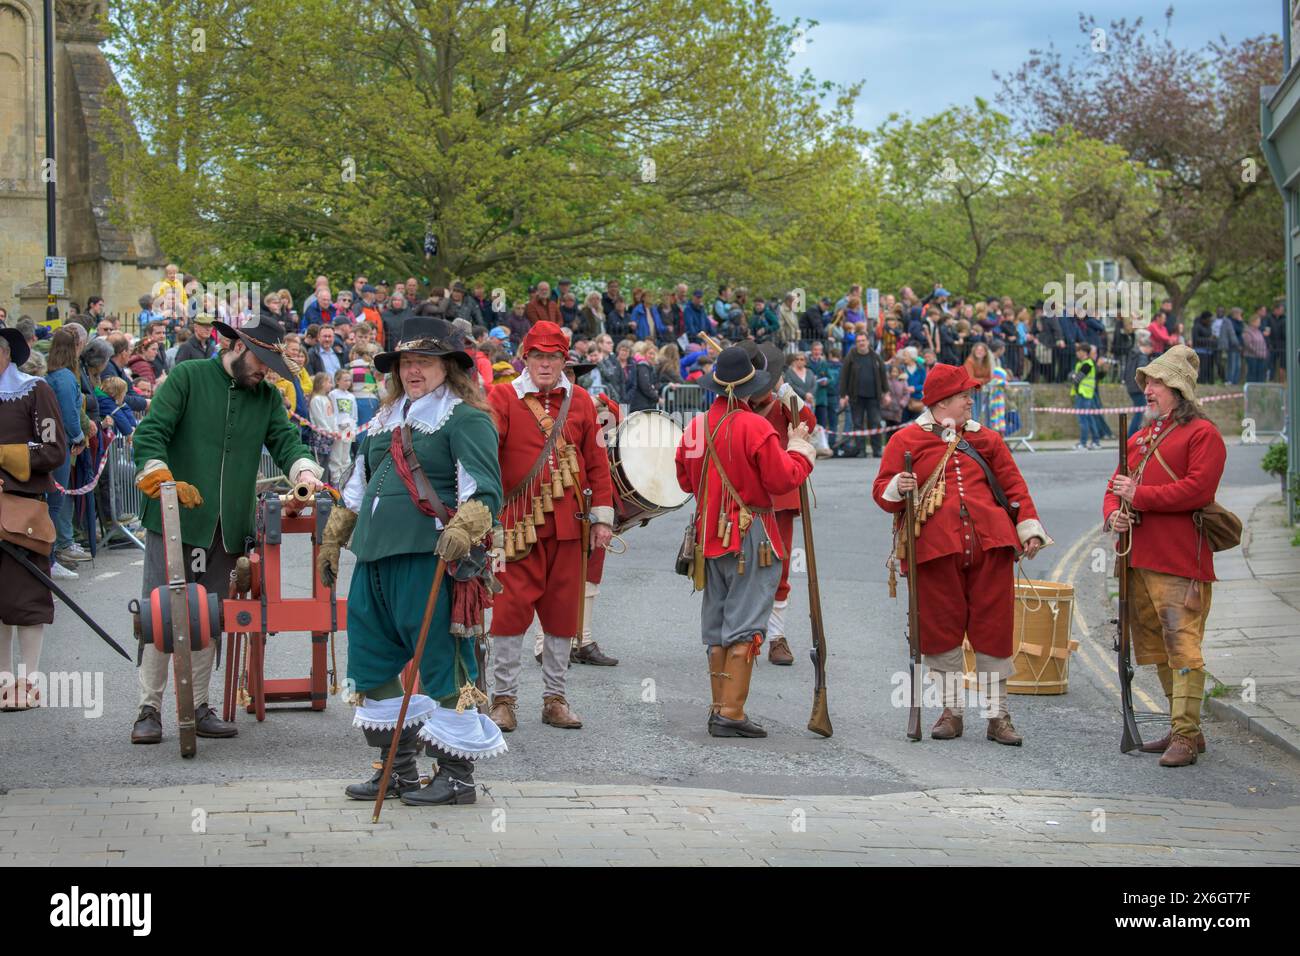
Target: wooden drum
x=642, y=463
x=1041, y=644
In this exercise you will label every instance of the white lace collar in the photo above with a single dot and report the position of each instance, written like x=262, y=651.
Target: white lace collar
x=524, y=383
x=428, y=413
x=926, y=421
x=15, y=383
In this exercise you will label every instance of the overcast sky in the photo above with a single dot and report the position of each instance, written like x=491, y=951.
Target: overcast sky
x=921, y=56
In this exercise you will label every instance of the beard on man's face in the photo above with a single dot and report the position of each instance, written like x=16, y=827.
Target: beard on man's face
x=244, y=374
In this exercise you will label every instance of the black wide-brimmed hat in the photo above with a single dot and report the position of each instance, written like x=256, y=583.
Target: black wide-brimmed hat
x=19, y=350
x=735, y=375
x=264, y=338
x=579, y=365
x=426, y=335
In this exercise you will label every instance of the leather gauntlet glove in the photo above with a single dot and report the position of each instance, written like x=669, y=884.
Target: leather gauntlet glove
x=471, y=522
x=151, y=484
x=338, y=531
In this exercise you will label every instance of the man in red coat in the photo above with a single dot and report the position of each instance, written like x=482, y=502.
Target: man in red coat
x=778, y=407
x=586, y=650
x=966, y=548
x=544, y=477
x=1175, y=465
x=734, y=485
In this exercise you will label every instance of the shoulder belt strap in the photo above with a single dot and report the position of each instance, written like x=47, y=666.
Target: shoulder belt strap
x=423, y=487
x=552, y=436
x=999, y=495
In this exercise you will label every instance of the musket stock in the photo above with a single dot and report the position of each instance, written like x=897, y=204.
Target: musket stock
x=1131, y=739
x=913, y=621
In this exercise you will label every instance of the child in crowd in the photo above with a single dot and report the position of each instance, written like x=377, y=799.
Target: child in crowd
x=320, y=436
x=345, y=423
x=111, y=396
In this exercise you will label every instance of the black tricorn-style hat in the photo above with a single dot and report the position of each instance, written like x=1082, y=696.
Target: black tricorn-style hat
x=426, y=335
x=265, y=339
x=735, y=375
x=579, y=364
x=19, y=350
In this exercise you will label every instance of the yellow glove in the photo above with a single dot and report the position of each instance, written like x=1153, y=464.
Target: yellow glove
x=151, y=484
x=470, y=523
x=17, y=460
x=337, y=532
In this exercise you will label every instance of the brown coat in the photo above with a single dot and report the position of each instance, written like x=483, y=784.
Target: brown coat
x=536, y=312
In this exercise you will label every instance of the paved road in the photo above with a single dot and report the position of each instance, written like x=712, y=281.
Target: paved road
x=543, y=824
x=645, y=719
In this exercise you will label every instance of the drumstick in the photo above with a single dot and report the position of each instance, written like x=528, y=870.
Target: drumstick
x=710, y=341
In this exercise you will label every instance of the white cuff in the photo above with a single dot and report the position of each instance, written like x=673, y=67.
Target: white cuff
x=891, y=492
x=382, y=714
x=1030, y=528
x=604, y=514
x=153, y=464
x=305, y=464
x=801, y=447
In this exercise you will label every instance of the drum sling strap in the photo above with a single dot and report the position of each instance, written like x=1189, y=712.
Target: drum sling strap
x=1012, y=508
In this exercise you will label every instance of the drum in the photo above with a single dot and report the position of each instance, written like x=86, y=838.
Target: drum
x=642, y=463
x=1041, y=644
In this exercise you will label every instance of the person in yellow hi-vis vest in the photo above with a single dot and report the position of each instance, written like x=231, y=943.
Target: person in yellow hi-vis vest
x=1083, y=386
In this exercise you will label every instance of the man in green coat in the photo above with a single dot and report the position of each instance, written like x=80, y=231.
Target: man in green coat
x=205, y=430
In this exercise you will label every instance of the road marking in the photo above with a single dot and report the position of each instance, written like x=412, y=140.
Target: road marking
x=136, y=564
x=1088, y=644
x=107, y=574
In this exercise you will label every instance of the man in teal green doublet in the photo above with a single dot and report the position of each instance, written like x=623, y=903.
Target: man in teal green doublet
x=397, y=546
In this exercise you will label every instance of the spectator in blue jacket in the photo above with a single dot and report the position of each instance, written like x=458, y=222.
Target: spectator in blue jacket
x=644, y=313
x=697, y=317
x=319, y=311
x=62, y=378
x=111, y=398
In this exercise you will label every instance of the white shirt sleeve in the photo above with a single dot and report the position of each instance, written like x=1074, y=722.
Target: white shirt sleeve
x=355, y=489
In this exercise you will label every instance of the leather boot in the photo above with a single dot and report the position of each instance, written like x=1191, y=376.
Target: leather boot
x=454, y=783
x=556, y=712
x=717, y=678
x=208, y=724
x=1161, y=745
x=405, y=775
x=1181, y=752
x=592, y=654
x=503, y=714
x=947, y=727
x=735, y=691
x=1001, y=730
x=148, y=727
x=778, y=652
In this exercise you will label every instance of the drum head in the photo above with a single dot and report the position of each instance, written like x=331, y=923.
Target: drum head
x=647, y=451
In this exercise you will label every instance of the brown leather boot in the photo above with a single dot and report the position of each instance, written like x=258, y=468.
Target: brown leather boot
x=778, y=652
x=503, y=714
x=1161, y=745
x=592, y=654
x=1181, y=752
x=208, y=724
x=947, y=727
x=148, y=727
x=731, y=720
x=555, y=711
x=1000, y=729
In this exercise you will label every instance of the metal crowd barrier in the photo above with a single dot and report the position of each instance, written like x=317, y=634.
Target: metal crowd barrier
x=683, y=402
x=269, y=475
x=125, y=500
x=1018, y=420
x=1265, y=403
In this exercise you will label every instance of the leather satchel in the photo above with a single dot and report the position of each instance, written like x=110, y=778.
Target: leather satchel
x=26, y=523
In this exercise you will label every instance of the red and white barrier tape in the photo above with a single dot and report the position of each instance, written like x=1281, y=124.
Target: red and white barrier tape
x=87, y=489
x=1131, y=409
x=294, y=416
x=867, y=432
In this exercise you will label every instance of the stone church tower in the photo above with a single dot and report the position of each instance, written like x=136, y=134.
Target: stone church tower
x=103, y=258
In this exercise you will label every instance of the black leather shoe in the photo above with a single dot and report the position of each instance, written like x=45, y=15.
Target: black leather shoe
x=208, y=724
x=720, y=726
x=148, y=727
x=592, y=654
x=454, y=783
x=405, y=776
